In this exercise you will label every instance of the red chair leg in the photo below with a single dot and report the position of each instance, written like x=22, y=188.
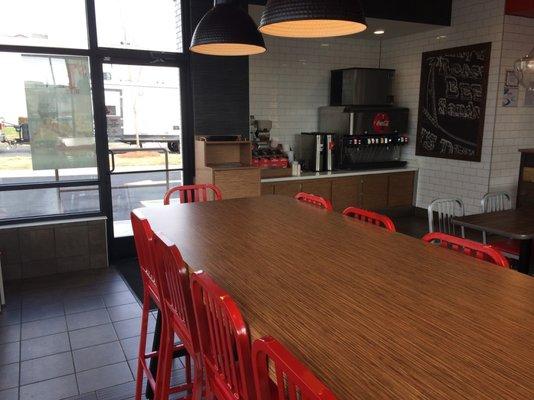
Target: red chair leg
x=197, y=379
x=165, y=362
x=142, y=346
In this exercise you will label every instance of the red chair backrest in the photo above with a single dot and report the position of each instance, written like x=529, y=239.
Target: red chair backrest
x=370, y=217
x=468, y=247
x=293, y=380
x=176, y=291
x=144, y=244
x=315, y=200
x=193, y=193
x=224, y=340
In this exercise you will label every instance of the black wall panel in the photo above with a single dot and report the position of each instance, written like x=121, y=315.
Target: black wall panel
x=220, y=88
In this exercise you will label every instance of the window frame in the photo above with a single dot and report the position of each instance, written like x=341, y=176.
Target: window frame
x=97, y=57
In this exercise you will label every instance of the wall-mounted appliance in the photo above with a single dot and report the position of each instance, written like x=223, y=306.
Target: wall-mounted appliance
x=362, y=86
x=366, y=137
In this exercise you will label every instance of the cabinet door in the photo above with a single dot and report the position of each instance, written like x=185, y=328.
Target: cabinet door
x=401, y=187
x=374, y=192
x=267, y=188
x=287, y=188
x=320, y=187
x=346, y=193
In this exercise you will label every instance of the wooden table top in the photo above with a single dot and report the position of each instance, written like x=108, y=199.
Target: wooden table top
x=515, y=224
x=374, y=314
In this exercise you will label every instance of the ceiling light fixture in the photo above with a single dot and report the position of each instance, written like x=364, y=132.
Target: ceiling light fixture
x=379, y=32
x=312, y=18
x=227, y=30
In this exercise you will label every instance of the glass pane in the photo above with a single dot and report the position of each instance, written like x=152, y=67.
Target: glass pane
x=131, y=191
x=46, y=119
x=143, y=117
x=50, y=23
x=140, y=24
x=47, y=202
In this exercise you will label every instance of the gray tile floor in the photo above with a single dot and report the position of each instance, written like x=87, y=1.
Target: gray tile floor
x=71, y=336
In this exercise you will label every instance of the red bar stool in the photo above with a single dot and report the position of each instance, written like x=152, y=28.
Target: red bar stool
x=370, y=217
x=179, y=317
x=224, y=341
x=144, y=243
x=315, y=200
x=194, y=193
x=293, y=380
x=468, y=247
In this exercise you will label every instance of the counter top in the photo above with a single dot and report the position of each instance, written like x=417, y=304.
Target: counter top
x=336, y=174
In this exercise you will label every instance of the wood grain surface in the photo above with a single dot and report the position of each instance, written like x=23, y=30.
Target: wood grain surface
x=374, y=314
x=516, y=224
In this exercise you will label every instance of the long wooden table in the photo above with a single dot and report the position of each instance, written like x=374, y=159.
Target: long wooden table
x=374, y=314
x=514, y=224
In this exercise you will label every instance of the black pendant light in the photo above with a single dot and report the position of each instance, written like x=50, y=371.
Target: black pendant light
x=227, y=30
x=312, y=18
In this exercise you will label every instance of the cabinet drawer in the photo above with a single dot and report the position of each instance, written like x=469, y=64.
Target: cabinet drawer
x=238, y=183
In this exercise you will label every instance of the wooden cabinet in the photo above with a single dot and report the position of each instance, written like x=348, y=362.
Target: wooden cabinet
x=401, y=189
x=372, y=192
x=319, y=187
x=227, y=164
x=287, y=188
x=237, y=183
x=346, y=193
x=267, y=188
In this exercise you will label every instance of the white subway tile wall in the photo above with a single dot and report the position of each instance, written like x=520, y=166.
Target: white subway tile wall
x=473, y=21
x=291, y=81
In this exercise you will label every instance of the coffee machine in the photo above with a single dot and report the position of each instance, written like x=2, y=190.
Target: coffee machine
x=316, y=151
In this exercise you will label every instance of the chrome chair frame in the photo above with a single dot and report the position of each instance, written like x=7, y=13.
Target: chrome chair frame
x=446, y=210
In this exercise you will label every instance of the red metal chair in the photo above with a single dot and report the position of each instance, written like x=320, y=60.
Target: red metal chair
x=315, y=200
x=224, y=341
x=370, y=217
x=194, y=193
x=468, y=247
x=293, y=380
x=179, y=318
x=144, y=243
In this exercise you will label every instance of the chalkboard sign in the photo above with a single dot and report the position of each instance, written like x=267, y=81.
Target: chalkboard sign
x=452, y=102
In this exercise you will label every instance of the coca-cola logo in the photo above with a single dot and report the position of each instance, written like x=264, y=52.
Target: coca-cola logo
x=381, y=123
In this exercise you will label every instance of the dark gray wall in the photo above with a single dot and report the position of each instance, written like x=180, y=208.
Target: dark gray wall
x=220, y=88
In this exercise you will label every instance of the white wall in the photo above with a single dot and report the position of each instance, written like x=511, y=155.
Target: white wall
x=473, y=21
x=514, y=126
x=291, y=80
x=288, y=90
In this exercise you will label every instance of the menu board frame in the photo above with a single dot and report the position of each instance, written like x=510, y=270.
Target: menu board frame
x=451, y=124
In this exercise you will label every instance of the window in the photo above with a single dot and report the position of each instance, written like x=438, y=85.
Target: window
x=46, y=120
x=50, y=23
x=61, y=122
x=140, y=24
